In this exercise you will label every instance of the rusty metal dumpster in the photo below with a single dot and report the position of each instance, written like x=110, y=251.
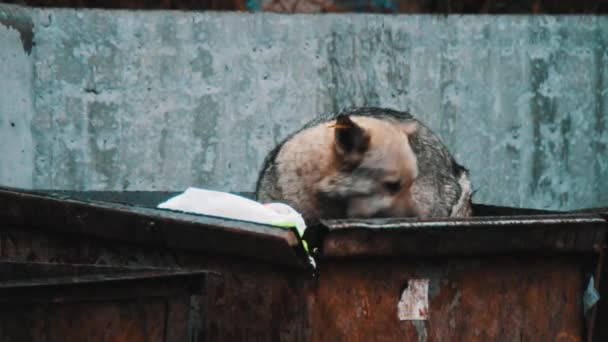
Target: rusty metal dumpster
x=261, y=271
x=489, y=279
x=507, y=274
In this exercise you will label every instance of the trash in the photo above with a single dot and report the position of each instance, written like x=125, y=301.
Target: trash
x=230, y=206
x=226, y=205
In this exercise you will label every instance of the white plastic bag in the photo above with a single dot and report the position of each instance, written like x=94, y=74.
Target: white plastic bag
x=226, y=205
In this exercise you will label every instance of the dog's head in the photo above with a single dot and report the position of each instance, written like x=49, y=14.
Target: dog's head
x=373, y=167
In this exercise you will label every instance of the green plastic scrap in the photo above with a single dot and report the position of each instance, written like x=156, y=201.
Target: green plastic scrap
x=285, y=224
x=288, y=224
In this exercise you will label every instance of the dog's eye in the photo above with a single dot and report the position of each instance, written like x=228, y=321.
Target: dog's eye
x=392, y=187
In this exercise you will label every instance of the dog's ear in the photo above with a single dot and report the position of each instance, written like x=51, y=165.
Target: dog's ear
x=409, y=128
x=351, y=141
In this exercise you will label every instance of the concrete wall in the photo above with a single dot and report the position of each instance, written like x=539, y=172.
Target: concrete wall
x=16, y=97
x=164, y=100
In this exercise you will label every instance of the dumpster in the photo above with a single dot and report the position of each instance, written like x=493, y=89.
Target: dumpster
x=258, y=289
x=505, y=274
x=50, y=302
x=485, y=278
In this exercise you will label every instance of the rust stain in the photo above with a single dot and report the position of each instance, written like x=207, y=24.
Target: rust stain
x=567, y=337
x=531, y=299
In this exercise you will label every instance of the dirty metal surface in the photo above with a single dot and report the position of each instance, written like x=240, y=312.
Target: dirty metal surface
x=499, y=298
x=266, y=300
x=30, y=270
x=472, y=236
x=53, y=302
x=155, y=227
x=493, y=210
x=130, y=320
x=27, y=278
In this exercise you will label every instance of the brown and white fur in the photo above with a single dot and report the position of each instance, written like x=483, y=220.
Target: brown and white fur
x=364, y=163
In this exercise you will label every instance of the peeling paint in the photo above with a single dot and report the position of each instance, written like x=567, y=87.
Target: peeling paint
x=414, y=301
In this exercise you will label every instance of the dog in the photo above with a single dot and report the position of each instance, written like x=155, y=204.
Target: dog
x=365, y=163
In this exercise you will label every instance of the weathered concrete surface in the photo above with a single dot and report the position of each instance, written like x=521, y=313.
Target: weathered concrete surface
x=165, y=100
x=16, y=99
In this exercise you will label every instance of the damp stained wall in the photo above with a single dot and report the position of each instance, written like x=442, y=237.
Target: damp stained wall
x=163, y=100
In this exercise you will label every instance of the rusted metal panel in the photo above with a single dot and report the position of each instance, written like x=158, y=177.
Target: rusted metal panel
x=258, y=298
x=473, y=236
x=532, y=298
x=253, y=300
x=122, y=283
x=146, y=226
x=96, y=321
x=93, y=303
x=498, y=278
